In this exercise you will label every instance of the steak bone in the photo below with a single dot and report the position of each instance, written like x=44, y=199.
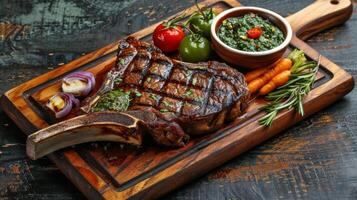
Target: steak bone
x=127, y=127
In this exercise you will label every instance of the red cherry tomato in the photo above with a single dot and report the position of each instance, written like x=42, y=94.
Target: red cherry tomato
x=168, y=38
x=254, y=33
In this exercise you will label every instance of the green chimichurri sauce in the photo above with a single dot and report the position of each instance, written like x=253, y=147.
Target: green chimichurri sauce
x=234, y=32
x=115, y=100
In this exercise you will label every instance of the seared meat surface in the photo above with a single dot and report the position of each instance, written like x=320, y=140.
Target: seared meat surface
x=187, y=98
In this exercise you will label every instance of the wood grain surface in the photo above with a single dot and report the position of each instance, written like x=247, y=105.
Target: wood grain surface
x=294, y=165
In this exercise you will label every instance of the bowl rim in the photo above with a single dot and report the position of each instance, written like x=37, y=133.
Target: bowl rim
x=289, y=32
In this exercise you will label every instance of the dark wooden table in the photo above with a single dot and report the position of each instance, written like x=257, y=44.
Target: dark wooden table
x=316, y=159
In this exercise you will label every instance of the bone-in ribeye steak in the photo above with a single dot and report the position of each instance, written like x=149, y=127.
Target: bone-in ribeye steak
x=186, y=98
x=175, y=100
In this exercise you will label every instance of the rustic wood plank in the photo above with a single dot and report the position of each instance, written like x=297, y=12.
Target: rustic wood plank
x=138, y=189
x=253, y=189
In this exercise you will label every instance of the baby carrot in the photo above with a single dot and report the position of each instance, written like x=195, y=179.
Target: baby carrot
x=258, y=72
x=284, y=64
x=277, y=81
x=255, y=74
x=256, y=84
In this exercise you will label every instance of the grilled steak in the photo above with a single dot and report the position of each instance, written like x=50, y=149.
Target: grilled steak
x=182, y=98
x=198, y=97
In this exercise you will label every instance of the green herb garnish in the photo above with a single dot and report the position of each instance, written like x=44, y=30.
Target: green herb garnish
x=189, y=93
x=137, y=93
x=164, y=110
x=167, y=104
x=115, y=100
x=154, y=97
x=122, y=61
x=118, y=80
x=290, y=95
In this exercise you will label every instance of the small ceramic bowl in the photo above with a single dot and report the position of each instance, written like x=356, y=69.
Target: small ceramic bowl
x=247, y=59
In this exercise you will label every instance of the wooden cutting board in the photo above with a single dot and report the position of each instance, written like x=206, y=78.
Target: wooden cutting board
x=114, y=171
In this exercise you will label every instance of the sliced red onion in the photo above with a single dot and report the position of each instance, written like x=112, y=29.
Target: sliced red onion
x=78, y=83
x=62, y=103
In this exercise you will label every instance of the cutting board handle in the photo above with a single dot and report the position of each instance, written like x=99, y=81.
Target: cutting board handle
x=320, y=15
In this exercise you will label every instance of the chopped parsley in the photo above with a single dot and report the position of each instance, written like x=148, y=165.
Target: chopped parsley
x=168, y=104
x=164, y=110
x=118, y=80
x=154, y=97
x=121, y=61
x=189, y=93
x=137, y=93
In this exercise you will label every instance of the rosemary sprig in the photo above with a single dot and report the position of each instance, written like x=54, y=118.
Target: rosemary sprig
x=290, y=95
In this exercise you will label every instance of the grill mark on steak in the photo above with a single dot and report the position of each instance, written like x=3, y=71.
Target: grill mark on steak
x=198, y=97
